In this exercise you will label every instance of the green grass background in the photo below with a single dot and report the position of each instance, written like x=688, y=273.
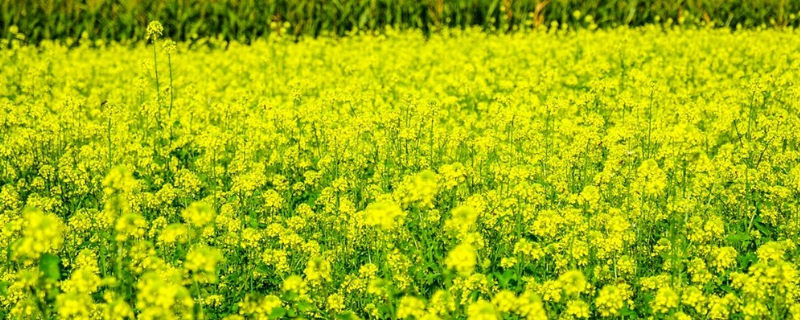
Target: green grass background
x=244, y=20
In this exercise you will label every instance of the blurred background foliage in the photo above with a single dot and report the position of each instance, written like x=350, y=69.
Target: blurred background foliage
x=244, y=20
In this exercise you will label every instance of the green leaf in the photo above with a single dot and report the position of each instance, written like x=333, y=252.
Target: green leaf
x=253, y=222
x=625, y=312
x=289, y=296
x=385, y=309
x=349, y=315
x=764, y=229
x=277, y=313
x=504, y=278
x=727, y=289
x=49, y=265
x=747, y=259
x=430, y=277
x=303, y=306
x=738, y=237
x=4, y=288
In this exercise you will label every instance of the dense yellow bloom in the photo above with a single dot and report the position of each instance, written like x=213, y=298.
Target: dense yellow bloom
x=551, y=291
x=665, y=300
x=174, y=233
x=199, y=214
x=530, y=250
x=720, y=307
x=116, y=308
x=441, y=303
x=420, y=188
x=317, y=270
x=82, y=281
x=462, y=219
x=295, y=284
x=202, y=262
x=462, y=259
x=774, y=250
x=505, y=301
x=794, y=310
x=409, y=307
x=272, y=200
x=75, y=306
x=335, y=302
x=41, y=233
x=723, y=258
x=693, y=297
x=482, y=310
x=530, y=306
x=455, y=174
x=160, y=299
x=697, y=269
x=119, y=180
x=130, y=226
x=573, y=282
x=578, y=309
x=610, y=299
x=385, y=214
x=259, y=307
x=650, y=178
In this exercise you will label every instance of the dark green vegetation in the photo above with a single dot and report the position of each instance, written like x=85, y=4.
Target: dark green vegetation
x=247, y=19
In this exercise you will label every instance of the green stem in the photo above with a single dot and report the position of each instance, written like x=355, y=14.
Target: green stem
x=171, y=88
x=198, y=308
x=108, y=131
x=155, y=66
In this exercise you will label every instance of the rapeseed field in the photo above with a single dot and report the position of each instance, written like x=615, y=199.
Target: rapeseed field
x=551, y=173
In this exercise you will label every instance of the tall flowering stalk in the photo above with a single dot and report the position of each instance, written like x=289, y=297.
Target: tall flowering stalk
x=169, y=49
x=155, y=30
